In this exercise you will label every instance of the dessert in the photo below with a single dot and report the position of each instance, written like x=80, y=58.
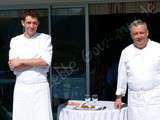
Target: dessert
x=87, y=106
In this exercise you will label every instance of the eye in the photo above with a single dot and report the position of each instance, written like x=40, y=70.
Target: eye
x=142, y=32
x=34, y=23
x=134, y=33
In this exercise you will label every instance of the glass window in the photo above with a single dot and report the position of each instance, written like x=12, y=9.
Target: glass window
x=68, y=69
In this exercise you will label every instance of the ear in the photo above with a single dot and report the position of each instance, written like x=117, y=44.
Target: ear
x=38, y=23
x=147, y=33
x=22, y=22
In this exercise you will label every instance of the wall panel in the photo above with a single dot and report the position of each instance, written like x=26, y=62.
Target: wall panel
x=22, y=2
x=33, y=2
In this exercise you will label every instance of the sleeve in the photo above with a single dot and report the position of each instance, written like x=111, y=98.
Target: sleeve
x=46, y=53
x=12, y=50
x=122, y=76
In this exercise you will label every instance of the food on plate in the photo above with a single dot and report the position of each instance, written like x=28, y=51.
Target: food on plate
x=72, y=103
x=87, y=106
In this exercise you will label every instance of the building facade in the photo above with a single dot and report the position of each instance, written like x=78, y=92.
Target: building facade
x=87, y=36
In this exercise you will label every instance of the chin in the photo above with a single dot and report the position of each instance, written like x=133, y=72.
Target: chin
x=31, y=34
x=140, y=46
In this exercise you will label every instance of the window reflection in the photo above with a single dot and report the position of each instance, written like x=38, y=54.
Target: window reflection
x=68, y=29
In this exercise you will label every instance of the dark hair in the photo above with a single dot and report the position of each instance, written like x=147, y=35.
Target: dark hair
x=29, y=12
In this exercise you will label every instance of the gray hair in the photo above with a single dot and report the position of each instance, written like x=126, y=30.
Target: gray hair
x=135, y=23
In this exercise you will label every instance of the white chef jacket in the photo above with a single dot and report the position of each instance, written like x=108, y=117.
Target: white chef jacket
x=140, y=70
x=31, y=99
x=26, y=48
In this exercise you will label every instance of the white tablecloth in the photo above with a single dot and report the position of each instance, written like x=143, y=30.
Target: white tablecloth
x=110, y=113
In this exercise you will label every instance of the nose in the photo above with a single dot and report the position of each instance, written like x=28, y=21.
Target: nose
x=139, y=35
x=32, y=25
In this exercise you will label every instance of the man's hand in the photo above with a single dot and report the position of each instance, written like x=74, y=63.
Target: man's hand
x=14, y=63
x=118, y=102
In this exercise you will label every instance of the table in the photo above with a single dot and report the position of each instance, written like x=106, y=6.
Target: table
x=110, y=113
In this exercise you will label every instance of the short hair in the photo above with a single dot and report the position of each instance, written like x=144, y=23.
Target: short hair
x=136, y=23
x=29, y=12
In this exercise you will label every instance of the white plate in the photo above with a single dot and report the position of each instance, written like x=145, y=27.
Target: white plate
x=90, y=108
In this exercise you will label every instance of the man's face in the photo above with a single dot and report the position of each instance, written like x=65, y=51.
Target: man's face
x=139, y=36
x=30, y=25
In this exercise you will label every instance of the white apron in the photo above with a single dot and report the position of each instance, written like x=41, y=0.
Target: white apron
x=32, y=102
x=144, y=105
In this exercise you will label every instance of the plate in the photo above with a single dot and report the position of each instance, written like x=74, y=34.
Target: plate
x=87, y=107
x=72, y=104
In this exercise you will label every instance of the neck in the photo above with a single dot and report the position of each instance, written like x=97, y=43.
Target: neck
x=28, y=36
